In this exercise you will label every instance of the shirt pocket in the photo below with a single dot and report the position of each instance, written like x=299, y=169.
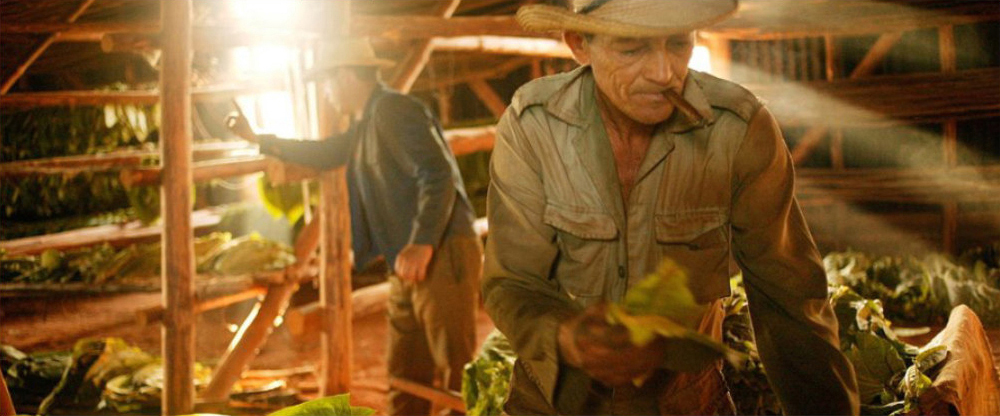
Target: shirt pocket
x=698, y=240
x=586, y=239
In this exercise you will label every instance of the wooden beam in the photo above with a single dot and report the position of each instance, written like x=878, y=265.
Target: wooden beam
x=178, y=238
x=471, y=140
x=505, y=45
x=786, y=19
x=100, y=98
x=117, y=235
x=876, y=55
x=488, y=96
x=417, y=27
x=960, y=184
x=886, y=100
x=115, y=160
x=19, y=71
x=490, y=72
x=248, y=341
x=416, y=59
x=201, y=172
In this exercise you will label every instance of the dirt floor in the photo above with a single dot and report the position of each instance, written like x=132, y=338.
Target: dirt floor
x=55, y=324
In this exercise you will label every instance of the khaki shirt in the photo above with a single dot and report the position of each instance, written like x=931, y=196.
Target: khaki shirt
x=707, y=191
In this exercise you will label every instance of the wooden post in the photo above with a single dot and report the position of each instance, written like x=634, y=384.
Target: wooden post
x=949, y=211
x=178, y=238
x=722, y=56
x=443, y=96
x=335, y=262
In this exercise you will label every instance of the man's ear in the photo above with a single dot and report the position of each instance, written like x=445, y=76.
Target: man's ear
x=578, y=45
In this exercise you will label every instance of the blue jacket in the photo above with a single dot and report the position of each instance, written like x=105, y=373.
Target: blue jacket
x=403, y=182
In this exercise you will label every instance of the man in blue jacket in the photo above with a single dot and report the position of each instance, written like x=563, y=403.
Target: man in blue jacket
x=407, y=204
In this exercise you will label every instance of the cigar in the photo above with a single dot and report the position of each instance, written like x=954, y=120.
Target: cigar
x=684, y=106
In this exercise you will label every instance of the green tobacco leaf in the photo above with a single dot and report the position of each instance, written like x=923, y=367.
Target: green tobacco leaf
x=875, y=361
x=339, y=405
x=663, y=305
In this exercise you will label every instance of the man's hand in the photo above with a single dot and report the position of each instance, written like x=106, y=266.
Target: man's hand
x=412, y=261
x=241, y=127
x=604, y=351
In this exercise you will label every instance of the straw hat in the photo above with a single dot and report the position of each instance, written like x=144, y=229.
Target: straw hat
x=627, y=18
x=346, y=52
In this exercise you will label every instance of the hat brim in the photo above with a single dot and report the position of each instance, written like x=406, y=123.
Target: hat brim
x=317, y=73
x=546, y=18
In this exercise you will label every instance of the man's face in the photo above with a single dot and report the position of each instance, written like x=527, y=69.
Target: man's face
x=633, y=73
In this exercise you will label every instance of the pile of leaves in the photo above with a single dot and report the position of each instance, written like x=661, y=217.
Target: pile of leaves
x=891, y=374
x=99, y=373
x=39, y=133
x=486, y=379
x=923, y=290
x=217, y=253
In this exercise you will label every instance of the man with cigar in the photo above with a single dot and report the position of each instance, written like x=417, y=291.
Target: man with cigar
x=408, y=204
x=600, y=173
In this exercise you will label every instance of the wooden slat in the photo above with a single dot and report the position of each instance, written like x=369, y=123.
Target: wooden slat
x=464, y=76
x=784, y=19
x=201, y=172
x=886, y=100
x=501, y=45
x=959, y=184
x=9, y=82
x=70, y=98
x=117, y=235
x=115, y=160
x=756, y=20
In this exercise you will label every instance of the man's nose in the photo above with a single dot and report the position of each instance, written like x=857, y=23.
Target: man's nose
x=659, y=69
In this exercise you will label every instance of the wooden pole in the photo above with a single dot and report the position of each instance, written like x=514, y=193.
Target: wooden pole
x=950, y=210
x=416, y=59
x=248, y=341
x=178, y=238
x=722, y=56
x=336, y=346
x=9, y=82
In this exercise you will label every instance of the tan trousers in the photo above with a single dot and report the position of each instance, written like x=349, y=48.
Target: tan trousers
x=432, y=324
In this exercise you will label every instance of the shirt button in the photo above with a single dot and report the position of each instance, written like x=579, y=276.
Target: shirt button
x=621, y=272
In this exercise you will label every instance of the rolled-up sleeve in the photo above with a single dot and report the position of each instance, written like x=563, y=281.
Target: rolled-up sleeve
x=524, y=303
x=413, y=140
x=794, y=325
